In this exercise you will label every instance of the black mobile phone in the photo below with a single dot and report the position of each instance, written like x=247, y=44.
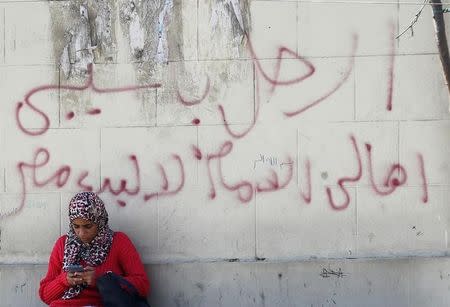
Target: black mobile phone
x=74, y=268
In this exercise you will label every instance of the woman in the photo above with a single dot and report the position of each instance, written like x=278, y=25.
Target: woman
x=91, y=243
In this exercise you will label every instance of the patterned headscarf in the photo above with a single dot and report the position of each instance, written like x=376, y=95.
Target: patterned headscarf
x=87, y=205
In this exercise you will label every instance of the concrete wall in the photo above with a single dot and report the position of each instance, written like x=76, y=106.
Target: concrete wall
x=395, y=282
x=258, y=153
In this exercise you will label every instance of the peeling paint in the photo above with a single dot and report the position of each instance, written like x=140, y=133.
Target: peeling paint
x=162, y=52
x=237, y=13
x=86, y=29
x=154, y=34
x=230, y=23
x=77, y=54
x=136, y=34
x=104, y=34
x=85, y=32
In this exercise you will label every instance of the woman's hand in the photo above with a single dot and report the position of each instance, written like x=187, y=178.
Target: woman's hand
x=74, y=279
x=79, y=278
x=88, y=276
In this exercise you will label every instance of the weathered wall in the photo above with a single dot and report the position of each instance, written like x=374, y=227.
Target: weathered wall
x=275, y=153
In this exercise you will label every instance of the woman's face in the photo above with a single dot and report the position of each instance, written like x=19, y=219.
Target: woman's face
x=84, y=229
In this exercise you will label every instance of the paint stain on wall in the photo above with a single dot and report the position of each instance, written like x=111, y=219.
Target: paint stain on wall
x=149, y=34
x=104, y=34
x=130, y=18
x=153, y=29
x=84, y=32
x=230, y=22
x=77, y=54
x=87, y=31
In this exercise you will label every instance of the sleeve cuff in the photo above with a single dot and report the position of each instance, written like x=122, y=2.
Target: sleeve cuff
x=63, y=279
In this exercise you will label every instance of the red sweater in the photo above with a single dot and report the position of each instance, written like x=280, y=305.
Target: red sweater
x=123, y=259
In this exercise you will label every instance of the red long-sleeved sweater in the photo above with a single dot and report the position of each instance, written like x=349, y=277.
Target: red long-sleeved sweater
x=123, y=259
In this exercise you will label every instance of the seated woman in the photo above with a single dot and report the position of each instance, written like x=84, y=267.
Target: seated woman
x=91, y=243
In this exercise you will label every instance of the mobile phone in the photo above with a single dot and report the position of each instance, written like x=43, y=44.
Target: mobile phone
x=74, y=268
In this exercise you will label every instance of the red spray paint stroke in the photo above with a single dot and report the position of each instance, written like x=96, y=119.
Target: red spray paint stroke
x=244, y=188
x=192, y=102
x=196, y=151
x=256, y=115
x=121, y=203
x=165, y=182
x=307, y=196
x=88, y=85
x=335, y=88
x=196, y=121
x=343, y=180
x=70, y=115
x=81, y=184
x=106, y=186
x=273, y=183
x=60, y=177
x=424, y=178
x=94, y=111
x=391, y=70
x=24, y=191
x=224, y=150
x=165, y=193
x=275, y=81
x=390, y=182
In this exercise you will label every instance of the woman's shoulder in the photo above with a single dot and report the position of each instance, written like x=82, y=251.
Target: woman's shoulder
x=58, y=247
x=61, y=240
x=121, y=236
x=122, y=241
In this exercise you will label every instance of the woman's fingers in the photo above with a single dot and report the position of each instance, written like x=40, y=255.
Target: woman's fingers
x=78, y=278
x=74, y=280
x=88, y=268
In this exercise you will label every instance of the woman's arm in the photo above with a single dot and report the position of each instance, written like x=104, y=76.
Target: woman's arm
x=55, y=282
x=131, y=264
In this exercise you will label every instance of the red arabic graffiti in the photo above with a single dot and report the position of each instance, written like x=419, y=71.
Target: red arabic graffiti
x=344, y=180
x=184, y=101
x=165, y=185
x=244, y=190
x=64, y=173
x=89, y=85
x=391, y=70
x=307, y=196
x=396, y=176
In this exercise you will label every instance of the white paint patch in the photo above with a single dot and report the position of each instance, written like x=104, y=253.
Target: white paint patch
x=104, y=31
x=65, y=61
x=221, y=21
x=237, y=12
x=219, y=14
x=136, y=33
x=162, y=52
x=77, y=54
